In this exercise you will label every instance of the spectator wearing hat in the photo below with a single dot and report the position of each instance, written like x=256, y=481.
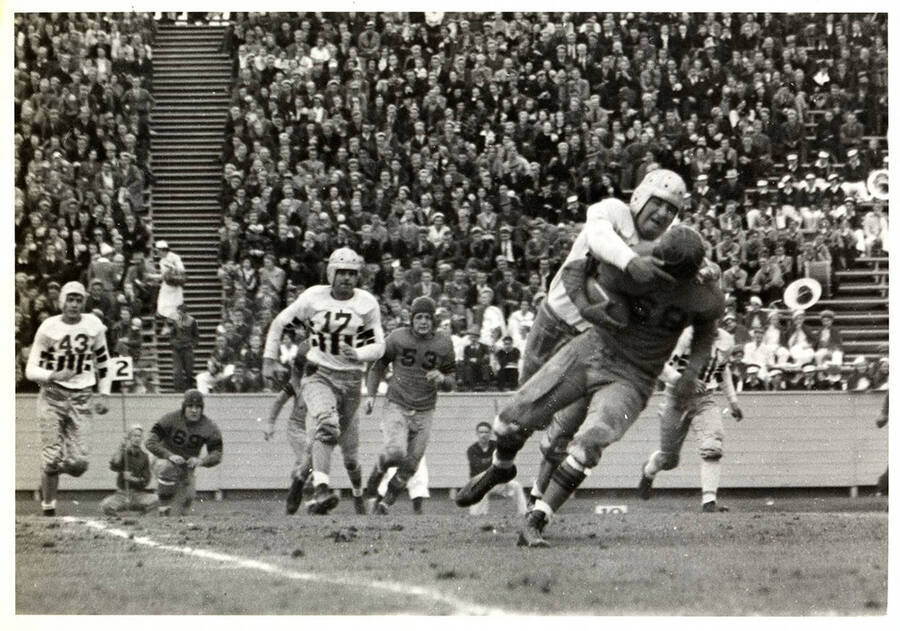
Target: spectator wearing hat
x=758, y=352
x=807, y=378
x=172, y=276
x=731, y=189
x=99, y=301
x=425, y=287
x=101, y=268
x=831, y=377
x=753, y=382
x=880, y=374
x=488, y=317
x=829, y=344
x=734, y=328
x=475, y=369
x=799, y=339
x=859, y=378
x=778, y=381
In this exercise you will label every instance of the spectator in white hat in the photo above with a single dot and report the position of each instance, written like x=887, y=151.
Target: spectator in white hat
x=172, y=276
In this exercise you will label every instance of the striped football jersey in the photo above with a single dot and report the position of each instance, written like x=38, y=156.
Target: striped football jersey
x=80, y=347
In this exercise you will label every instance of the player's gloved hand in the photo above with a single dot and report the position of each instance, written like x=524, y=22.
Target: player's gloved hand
x=268, y=368
x=435, y=376
x=193, y=462
x=347, y=351
x=736, y=411
x=176, y=459
x=62, y=375
x=370, y=405
x=101, y=404
x=643, y=269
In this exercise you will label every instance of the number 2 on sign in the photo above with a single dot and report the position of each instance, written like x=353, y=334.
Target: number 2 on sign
x=122, y=368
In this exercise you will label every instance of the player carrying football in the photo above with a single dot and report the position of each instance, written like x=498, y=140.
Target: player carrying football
x=697, y=410
x=68, y=357
x=422, y=360
x=612, y=229
x=345, y=332
x=613, y=368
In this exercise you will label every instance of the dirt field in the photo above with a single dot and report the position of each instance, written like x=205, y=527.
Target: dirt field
x=799, y=555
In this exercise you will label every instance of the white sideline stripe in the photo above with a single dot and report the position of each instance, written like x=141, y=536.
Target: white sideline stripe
x=460, y=607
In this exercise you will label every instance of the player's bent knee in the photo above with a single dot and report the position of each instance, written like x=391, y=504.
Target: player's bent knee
x=711, y=454
x=76, y=468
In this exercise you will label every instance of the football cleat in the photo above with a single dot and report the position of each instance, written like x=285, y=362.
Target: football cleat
x=359, y=504
x=712, y=507
x=326, y=499
x=476, y=488
x=532, y=534
x=645, y=486
x=48, y=512
x=294, y=496
x=380, y=509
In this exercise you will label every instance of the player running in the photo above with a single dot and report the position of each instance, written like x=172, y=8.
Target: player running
x=612, y=229
x=68, y=358
x=345, y=332
x=697, y=410
x=176, y=440
x=422, y=360
x=614, y=369
x=296, y=428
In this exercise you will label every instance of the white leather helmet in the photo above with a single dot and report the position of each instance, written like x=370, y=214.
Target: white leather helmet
x=343, y=258
x=662, y=183
x=72, y=287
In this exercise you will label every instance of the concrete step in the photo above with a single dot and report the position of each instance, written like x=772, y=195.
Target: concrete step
x=871, y=261
x=876, y=333
x=861, y=288
x=853, y=319
x=860, y=303
x=862, y=273
x=865, y=346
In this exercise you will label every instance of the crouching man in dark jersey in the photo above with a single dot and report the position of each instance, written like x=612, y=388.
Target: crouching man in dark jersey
x=176, y=440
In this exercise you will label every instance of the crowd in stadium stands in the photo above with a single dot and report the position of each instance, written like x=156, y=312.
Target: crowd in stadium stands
x=82, y=167
x=457, y=153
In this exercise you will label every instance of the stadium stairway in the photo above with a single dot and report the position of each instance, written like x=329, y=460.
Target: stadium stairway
x=191, y=80
x=860, y=307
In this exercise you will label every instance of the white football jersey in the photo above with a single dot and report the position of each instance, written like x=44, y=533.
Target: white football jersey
x=329, y=321
x=80, y=347
x=618, y=214
x=711, y=375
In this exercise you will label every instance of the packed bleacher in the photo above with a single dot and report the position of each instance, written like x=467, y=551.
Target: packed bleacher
x=457, y=153
x=82, y=175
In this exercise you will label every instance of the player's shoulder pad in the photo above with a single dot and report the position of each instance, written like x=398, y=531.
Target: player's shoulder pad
x=609, y=209
x=366, y=299
x=94, y=324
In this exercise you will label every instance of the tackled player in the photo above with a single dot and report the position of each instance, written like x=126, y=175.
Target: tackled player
x=613, y=368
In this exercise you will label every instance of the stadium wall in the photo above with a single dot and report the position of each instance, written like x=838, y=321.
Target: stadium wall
x=818, y=439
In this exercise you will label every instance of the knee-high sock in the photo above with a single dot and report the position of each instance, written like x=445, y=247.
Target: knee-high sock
x=710, y=471
x=355, y=475
x=49, y=488
x=567, y=477
x=543, y=477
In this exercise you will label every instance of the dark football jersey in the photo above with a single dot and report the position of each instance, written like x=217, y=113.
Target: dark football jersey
x=412, y=357
x=176, y=435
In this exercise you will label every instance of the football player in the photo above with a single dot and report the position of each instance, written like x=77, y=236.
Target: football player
x=614, y=369
x=68, y=358
x=296, y=428
x=176, y=440
x=344, y=323
x=422, y=360
x=611, y=231
x=697, y=410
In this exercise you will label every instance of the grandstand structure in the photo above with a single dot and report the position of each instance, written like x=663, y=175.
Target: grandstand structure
x=191, y=81
x=198, y=71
